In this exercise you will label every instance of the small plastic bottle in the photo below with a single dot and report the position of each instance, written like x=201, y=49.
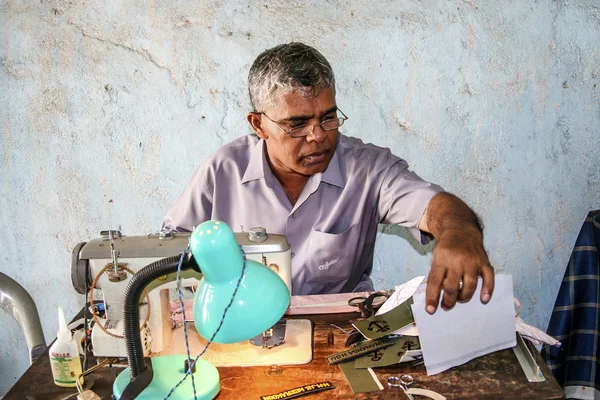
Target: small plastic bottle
x=64, y=356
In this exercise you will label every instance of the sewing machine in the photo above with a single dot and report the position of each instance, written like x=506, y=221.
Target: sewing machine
x=107, y=264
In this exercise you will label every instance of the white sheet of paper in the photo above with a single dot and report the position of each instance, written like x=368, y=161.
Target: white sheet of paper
x=401, y=294
x=469, y=330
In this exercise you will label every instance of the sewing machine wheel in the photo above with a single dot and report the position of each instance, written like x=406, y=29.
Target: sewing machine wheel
x=78, y=269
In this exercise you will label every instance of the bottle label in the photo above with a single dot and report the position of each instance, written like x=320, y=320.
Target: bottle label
x=65, y=368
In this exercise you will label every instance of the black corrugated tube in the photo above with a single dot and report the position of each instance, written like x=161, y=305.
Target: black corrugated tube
x=131, y=300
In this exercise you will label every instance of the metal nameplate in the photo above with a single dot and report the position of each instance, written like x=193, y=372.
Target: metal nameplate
x=359, y=350
x=389, y=355
x=360, y=380
x=300, y=391
x=379, y=326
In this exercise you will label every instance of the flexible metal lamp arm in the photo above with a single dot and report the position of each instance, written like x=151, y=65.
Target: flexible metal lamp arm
x=141, y=374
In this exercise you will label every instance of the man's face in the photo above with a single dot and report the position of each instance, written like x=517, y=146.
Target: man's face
x=305, y=156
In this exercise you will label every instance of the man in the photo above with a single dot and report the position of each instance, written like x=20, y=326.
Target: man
x=327, y=192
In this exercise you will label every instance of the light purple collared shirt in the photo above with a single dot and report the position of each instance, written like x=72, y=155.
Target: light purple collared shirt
x=333, y=225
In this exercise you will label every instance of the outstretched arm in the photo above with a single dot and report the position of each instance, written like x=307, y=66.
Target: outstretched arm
x=458, y=256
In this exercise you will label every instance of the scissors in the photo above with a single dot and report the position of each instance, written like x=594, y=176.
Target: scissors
x=405, y=381
x=369, y=305
x=402, y=382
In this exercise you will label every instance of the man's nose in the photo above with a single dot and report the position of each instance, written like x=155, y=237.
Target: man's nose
x=317, y=134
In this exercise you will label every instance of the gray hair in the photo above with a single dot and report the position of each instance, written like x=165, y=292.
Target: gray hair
x=287, y=68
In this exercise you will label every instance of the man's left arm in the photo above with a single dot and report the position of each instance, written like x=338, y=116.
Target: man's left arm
x=458, y=256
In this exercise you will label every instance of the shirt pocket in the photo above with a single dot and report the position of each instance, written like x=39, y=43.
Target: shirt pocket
x=331, y=257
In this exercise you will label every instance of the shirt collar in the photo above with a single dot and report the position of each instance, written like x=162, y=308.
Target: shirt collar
x=258, y=165
x=333, y=173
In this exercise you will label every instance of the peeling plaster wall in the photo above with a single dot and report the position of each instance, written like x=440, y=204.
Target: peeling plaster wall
x=108, y=107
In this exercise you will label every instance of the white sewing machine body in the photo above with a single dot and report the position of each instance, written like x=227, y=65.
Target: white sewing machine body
x=136, y=252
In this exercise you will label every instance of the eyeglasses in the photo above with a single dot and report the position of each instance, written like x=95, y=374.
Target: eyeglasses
x=305, y=130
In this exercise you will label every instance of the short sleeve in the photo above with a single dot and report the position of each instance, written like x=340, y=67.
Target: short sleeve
x=403, y=198
x=193, y=206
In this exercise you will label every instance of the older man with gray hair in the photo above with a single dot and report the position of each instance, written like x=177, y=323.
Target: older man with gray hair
x=327, y=192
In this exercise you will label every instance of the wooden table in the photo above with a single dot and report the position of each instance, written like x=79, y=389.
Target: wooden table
x=494, y=376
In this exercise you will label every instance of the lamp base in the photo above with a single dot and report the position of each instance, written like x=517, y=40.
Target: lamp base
x=168, y=371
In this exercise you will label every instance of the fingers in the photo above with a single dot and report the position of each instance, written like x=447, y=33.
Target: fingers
x=451, y=288
x=469, y=285
x=450, y=281
x=487, y=288
x=459, y=259
x=434, y=287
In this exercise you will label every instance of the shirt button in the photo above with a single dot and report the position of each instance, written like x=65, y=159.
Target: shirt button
x=293, y=215
x=293, y=255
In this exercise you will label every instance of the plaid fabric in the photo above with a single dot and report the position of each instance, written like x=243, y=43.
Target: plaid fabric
x=575, y=320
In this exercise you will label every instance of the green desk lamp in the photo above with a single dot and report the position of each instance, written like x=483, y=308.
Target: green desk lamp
x=237, y=299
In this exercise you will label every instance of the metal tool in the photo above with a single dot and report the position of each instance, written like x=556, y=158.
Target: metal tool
x=403, y=383
x=527, y=360
x=406, y=381
x=353, y=337
x=368, y=306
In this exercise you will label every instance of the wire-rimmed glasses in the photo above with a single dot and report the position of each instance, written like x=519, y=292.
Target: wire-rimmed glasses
x=305, y=130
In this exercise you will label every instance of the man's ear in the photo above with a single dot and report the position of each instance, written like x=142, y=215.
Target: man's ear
x=255, y=121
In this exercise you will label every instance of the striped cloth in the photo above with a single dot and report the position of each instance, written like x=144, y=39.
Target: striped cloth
x=575, y=320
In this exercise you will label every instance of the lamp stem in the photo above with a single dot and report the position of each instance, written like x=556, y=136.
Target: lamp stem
x=131, y=313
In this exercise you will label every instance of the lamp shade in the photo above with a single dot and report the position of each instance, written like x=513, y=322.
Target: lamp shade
x=261, y=298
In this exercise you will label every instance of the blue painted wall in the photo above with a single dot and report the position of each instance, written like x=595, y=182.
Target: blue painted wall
x=107, y=108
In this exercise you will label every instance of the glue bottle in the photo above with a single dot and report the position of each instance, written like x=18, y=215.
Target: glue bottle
x=64, y=356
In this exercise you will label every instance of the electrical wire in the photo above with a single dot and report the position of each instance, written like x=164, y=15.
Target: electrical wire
x=191, y=365
x=187, y=347
x=92, y=305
